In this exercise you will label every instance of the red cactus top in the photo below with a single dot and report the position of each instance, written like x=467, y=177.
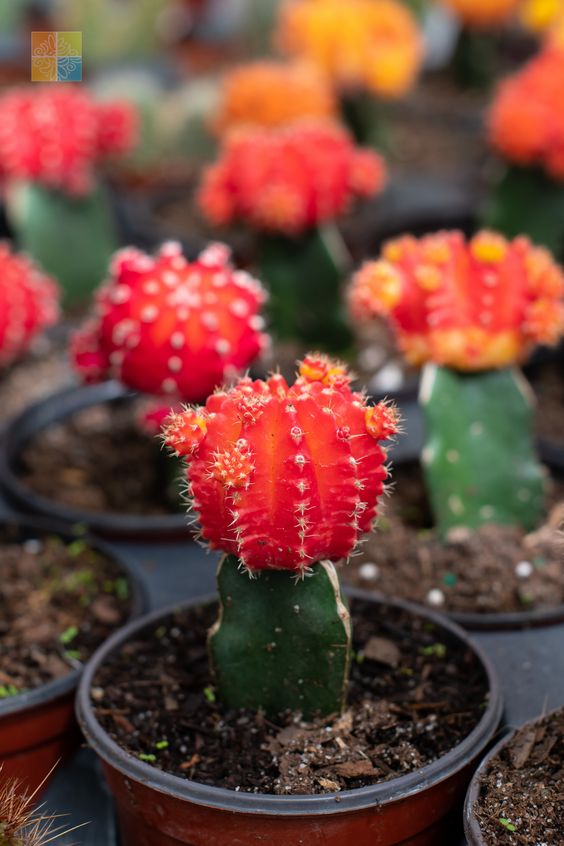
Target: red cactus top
x=164, y=325
x=526, y=121
x=288, y=179
x=29, y=302
x=472, y=306
x=283, y=476
x=57, y=135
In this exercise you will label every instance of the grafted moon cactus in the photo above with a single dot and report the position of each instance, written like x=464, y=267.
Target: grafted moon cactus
x=164, y=325
x=470, y=312
x=53, y=142
x=284, y=478
x=291, y=184
x=29, y=303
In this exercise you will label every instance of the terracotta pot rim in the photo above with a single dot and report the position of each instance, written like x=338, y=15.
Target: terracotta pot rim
x=43, y=695
x=53, y=409
x=250, y=803
x=472, y=829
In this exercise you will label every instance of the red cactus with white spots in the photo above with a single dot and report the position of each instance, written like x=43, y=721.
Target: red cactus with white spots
x=57, y=135
x=283, y=477
x=289, y=179
x=164, y=325
x=29, y=303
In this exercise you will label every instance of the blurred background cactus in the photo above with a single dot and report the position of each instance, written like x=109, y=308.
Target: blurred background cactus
x=51, y=143
x=470, y=312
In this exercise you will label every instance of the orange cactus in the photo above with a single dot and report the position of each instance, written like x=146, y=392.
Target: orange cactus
x=471, y=306
x=283, y=477
x=273, y=93
x=373, y=44
x=526, y=122
x=483, y=13
x=288, y=179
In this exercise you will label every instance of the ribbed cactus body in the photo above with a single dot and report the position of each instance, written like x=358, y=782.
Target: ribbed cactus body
x=280, y=644
x=283, y=477
x=29, y=303
x=479, y=457
x=164, y=325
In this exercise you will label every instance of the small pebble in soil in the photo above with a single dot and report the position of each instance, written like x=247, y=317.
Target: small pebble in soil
x=524, y=569
x=369, y=571
x=436, y=597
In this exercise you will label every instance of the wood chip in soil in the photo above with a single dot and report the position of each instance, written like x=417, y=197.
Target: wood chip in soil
x=521, y=800
x=58, y=603
x=493, y=570
x=414, y=695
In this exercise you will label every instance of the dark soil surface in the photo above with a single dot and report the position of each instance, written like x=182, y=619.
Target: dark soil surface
x=521, y=799
x=493, y=570
x=58, y=603
x=101, y=459
x=415, y=693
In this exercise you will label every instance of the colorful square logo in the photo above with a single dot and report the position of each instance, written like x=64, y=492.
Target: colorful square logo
x=56, y=56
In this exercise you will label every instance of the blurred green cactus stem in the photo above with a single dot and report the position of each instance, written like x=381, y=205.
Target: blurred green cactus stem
x=479, y=458
x=280, y=642
x=71, y=238
x=305, y=277
x=526, y=201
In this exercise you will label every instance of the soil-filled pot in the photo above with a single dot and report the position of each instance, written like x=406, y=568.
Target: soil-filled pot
x=113, y=464
x=515, y=796
x=158, y=808
x=37, y=725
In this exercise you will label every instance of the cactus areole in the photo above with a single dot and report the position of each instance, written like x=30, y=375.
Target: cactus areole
x=285, y=480
x=167, y=326
x=470, y=312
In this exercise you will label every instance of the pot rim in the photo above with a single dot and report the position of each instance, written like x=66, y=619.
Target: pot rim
x=58, y=688
x=266, y=804
x=472, y=829
x=56, y=408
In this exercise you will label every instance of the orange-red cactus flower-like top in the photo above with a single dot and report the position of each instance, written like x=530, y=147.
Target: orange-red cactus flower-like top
x=372, y=44
x=471, y=305
x=526, y=122
x=283, y=476
x=271, y=93
x=290, y=179
x=56, y=135
x=29, y=303
x=483, y=14
x=164, y=325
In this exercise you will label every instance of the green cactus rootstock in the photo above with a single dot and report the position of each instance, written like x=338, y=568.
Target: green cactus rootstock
x=71, y=238
x=479, y=457
x=305, y=277
x=281, y=643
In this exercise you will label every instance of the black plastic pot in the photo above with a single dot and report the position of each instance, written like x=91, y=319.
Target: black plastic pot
x=471, y=827
x=53, y=410
x=38, y=727
x=159, y=809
